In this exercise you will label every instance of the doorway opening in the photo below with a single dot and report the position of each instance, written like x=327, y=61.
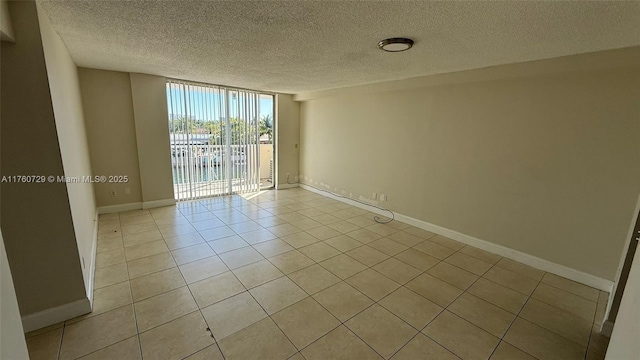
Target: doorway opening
x=221, y=139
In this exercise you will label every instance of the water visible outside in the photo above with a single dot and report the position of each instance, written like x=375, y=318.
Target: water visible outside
x=206, y=174
x=217, y=133
x=213, y=183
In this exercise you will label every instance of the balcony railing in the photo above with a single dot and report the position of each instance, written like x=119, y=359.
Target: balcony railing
x=203, y=170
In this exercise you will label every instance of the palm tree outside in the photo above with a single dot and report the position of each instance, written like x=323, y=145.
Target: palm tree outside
x=266, y=127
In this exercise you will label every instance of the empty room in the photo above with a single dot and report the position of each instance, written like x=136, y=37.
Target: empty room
x=320, y=180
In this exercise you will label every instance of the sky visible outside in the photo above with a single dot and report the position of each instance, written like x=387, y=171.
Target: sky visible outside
x=208, y=104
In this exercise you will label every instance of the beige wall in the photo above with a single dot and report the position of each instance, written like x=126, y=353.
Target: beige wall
x=37, y=222
x=12, y=342
x=126, y=119
x=72, y=136
x=545, y=162
x=5, y=21
x=152, y=136
x=108, y=112
x=287, y=138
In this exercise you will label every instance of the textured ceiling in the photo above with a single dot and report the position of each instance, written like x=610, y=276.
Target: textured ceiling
x=301, y=46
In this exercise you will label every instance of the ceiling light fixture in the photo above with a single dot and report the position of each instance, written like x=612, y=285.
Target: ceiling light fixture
x=395, y=44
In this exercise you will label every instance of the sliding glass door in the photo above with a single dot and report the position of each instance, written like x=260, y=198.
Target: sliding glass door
x=215, y=139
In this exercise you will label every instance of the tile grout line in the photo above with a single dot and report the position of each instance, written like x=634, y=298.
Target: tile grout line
x=252, y=245
x=345, y=253
x=444, y=308
x=133, y=302
x=591, y=329
x=465, y=291
x=530, y=296
x=504, y=268
x=374, y=302
x=569, y=292
x=371, y=267
x=61, y=338
x=342, y=323
x=557, y=308
x=341, y=252
x=199, y=310
x=204, y=348
x=514, y=318
x=518, y=316
x=119, y=307
x=133, y=306
x=308, y=295
x=263, y=309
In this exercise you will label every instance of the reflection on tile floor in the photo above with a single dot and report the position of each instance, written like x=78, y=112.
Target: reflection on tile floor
x=291, y=274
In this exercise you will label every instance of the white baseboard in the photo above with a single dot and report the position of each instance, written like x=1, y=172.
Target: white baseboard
x=55, y=315
x=135, y=206
x=286, y=186
x=120, y=207
x=329, y=194
x=533, y=261
x=527, y=259
x=158, y=203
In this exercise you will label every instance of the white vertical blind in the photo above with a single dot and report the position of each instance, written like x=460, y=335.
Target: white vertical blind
x=214, y=139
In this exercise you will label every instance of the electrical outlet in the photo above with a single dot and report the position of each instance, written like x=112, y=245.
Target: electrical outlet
x=113, y=192
x=127, y=191
x=374, y=196
x=383, y=197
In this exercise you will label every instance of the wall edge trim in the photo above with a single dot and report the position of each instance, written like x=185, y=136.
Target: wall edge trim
x=623, y=257
x=607, y=328
x=135, y=206
x=55, y=315
x=527, y=259
x=92, y=264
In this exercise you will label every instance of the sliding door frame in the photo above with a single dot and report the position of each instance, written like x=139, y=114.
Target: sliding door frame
x=248, y=104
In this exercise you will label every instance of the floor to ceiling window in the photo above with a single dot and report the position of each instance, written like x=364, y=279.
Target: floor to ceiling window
x=216, y=137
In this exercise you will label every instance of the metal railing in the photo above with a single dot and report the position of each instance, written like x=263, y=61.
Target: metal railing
x=200, y=114
x=203, y=170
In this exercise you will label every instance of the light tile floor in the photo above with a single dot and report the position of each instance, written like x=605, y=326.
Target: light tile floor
x=294, y=275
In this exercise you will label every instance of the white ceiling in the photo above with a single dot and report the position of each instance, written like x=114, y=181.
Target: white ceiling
x=301, y=46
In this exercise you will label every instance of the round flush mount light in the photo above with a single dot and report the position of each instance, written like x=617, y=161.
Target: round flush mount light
x=395, y=44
